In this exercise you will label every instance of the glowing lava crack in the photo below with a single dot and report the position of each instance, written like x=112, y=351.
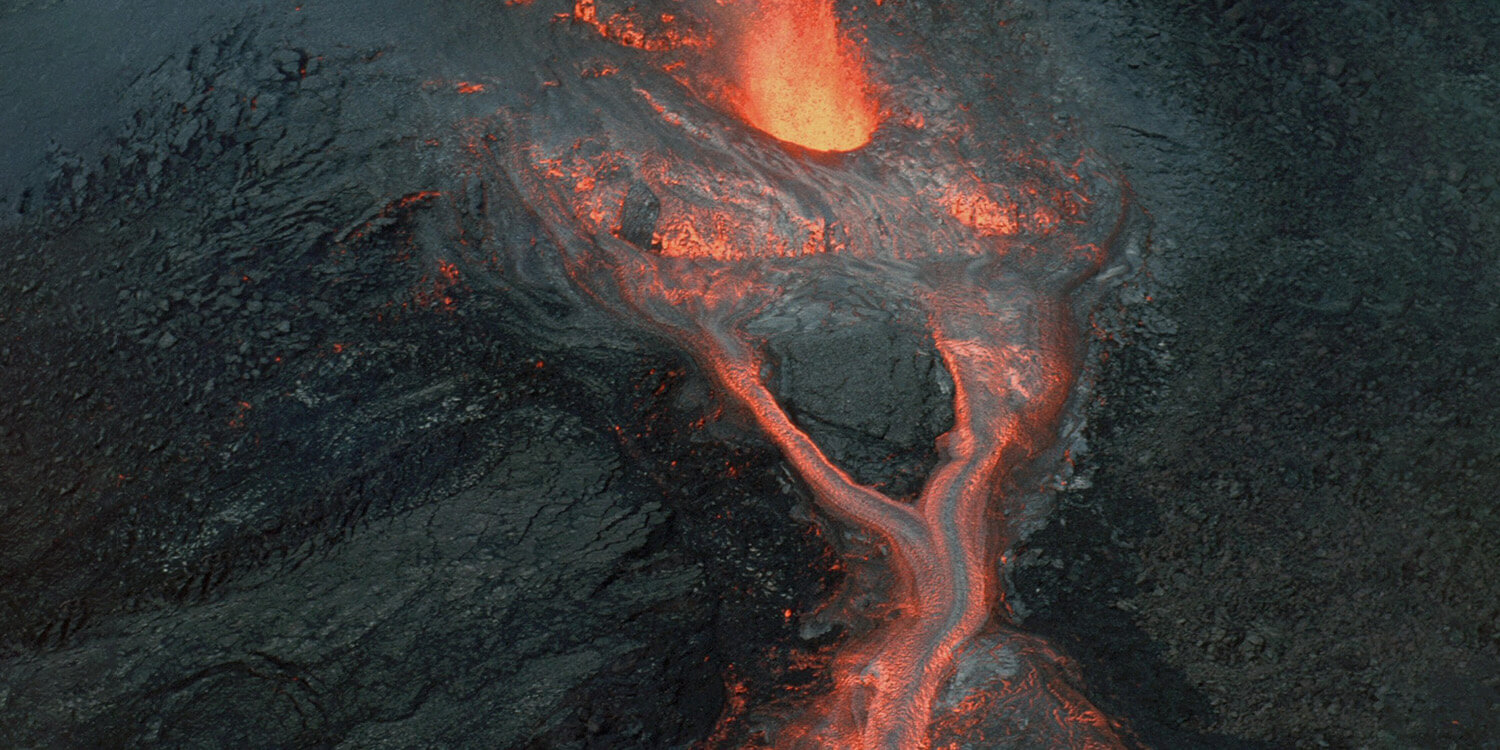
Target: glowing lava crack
x=679, y=219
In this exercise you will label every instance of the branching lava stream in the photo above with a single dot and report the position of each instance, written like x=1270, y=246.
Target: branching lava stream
x=673, y=215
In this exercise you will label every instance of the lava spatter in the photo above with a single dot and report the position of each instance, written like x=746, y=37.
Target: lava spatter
x=669, y=214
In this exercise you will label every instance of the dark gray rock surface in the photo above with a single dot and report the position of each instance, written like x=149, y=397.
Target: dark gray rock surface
x=277, y=473
x=1295, y=448
x=874, y=397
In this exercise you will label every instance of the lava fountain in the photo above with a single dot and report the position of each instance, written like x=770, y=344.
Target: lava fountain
x=670, y=213
x=798, y=79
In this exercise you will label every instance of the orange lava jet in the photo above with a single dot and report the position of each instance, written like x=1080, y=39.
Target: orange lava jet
x=799, y=79
x=665, y=213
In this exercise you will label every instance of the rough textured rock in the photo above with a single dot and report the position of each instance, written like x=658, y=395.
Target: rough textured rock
x=277, y=472
x=872, y=396
x=1283, y=540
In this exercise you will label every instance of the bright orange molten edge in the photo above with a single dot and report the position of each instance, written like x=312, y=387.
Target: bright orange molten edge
x=800, y=80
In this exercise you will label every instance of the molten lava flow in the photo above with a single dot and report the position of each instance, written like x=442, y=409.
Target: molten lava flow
x=939, y=546
x=800, y=80
x=1009, y=353
x=666, y=214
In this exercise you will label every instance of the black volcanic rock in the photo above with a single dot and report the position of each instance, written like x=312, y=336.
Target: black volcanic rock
x=873, y=396
x=638, y=215
x=267, y=483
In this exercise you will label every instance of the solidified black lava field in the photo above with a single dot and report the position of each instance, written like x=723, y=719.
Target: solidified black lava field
x=283, y=462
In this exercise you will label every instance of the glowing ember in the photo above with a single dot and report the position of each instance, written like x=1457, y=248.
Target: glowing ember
x=800, y=80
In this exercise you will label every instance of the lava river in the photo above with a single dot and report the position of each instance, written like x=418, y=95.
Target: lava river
x=709, y=172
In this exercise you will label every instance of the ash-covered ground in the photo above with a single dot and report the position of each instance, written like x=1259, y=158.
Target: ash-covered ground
x=280, y=466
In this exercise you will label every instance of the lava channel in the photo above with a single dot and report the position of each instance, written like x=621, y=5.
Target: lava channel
x=667, y=212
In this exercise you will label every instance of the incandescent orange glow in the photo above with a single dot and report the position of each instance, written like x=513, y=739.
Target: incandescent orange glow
x=981, y=213
x=664, y=214
x=800, y=80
